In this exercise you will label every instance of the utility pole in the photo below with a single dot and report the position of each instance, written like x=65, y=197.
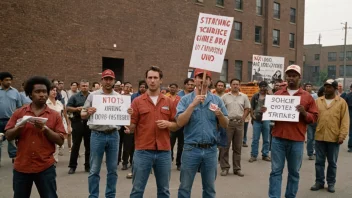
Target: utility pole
x=319, y=39
x=344, y=58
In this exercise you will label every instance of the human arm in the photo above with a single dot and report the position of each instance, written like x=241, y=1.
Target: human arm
x=345, y=122
x=87, y=109
x=310, y=112
x=184, y=114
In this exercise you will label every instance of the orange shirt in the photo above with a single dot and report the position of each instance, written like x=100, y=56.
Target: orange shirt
x=34, y=150
x=147, y=135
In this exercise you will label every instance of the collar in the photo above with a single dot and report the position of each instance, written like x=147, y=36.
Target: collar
x=299, y=91
x=336, y=98
x=28, y=108
x=8, y=89
x=239, y=93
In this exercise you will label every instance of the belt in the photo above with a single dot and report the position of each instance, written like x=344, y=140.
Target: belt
x=108, y=131
x=205, y=146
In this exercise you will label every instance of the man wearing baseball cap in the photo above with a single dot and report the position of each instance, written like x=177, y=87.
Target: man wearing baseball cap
x=104, y=138
x=332, y=129
x=199, y=112
x=288, y=137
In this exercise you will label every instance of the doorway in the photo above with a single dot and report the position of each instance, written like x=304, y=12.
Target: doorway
x=116, y=65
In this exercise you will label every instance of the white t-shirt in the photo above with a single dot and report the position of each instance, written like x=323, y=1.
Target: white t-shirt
x=154, y=99
x=291, y=92
x=328, y=101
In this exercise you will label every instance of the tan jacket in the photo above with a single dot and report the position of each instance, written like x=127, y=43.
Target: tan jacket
x=333, y=120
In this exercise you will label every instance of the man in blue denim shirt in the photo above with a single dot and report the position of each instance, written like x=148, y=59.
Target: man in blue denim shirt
x=10, y=100
x=199, y=115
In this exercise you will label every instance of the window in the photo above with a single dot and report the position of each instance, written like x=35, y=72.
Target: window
x=332, y=56
x=259, y=7
x=238, y=4
x=276, y=37
x=332, y=71
x=315, y=69
x=190, y=73
x=316, y=56
x=238, y=69
x=349, y=55
x=220, y=2
x=258, y=34
x=276, y=10
x=223, y=74
x=238, y=30
x=293, y=15
x=249, y=68
x=348, y=70
x=291, y=62
x=292, y=40
x=341, y=56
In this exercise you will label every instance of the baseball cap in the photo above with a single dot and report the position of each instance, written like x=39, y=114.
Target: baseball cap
x=201, y=71
x=263, y=84
x=332, y=82
x=295, y=68
x=108, y=73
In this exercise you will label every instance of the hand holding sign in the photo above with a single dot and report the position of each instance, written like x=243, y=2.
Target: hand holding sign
x=300, y=108
x=130, y=111
x=91, y=110
x=198, y=99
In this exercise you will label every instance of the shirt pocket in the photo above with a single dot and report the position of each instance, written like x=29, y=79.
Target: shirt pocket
x=144, y=111
x=165, y=114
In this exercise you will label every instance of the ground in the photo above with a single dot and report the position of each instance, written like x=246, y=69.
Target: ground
x=253, y=184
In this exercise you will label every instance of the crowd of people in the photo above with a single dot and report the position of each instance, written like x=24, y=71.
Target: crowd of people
x=204, y=121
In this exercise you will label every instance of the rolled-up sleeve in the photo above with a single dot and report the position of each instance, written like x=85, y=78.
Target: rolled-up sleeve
x=135, y=115
x=221, y=105
x=88, y=102
x=181, y=107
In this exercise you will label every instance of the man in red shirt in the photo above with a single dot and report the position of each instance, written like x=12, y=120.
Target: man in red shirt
x=288, y=137
x=36, y=142
x=151, y=122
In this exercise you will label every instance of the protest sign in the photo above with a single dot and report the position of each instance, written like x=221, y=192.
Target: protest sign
x=249, y=90
x=267, y=68
x=111, y=110
x=281, y=108
x=210, y=43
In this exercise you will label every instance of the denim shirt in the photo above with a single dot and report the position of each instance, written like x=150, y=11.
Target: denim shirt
x=10, y=100
x=202, y=126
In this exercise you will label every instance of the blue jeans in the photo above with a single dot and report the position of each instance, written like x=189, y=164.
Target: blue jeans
x=310, y=138
x=258, y=128
x=293, y=152
x=12, y=150
x=329, y=151
x=45, y=182
x=192, y=159
x=143, y=162
x=100, y=143
x=245, y=132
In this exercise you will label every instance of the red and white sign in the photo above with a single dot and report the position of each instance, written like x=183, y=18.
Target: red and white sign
x=210, y=43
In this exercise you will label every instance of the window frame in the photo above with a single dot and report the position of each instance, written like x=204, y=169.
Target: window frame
x=260, y=34
x=332, y=58
x=278, y=37
x=240, y=3
x=315, y=57
x=293, y=17
x=238, y=31
x=238, y=74
x=276, y=13
x=259, y=7
x=220, y=3
x=291, y=42
x=224, y=72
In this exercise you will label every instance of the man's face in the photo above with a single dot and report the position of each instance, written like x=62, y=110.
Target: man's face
x=142, y=89
x=220, y=87
x=61, y=85
x=6, y=83
x=56, y=83
x=117, y=88
x=127, y=89
x=339, y=87
x=329, y=90
x=84, y=86
x=235, y=86
x=74, y=87
x=39, y=94
x=153, y=80
x=96, y=87
x=309, y=88
x=108, y=83
x=173, y=89
x=263, y=89
x=198, y=81
x=190, y=86
x=293, y=78
x=277, y=86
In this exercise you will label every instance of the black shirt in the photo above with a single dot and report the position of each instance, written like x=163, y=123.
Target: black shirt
x=77, y=100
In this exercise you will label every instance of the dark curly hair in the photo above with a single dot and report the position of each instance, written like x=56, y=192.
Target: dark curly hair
x=35, y=80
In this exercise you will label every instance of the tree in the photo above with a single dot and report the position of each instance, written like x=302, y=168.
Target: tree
x=323, y=76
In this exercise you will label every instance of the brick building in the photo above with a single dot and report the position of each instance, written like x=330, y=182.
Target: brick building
x=71, y=40
x=327, y=58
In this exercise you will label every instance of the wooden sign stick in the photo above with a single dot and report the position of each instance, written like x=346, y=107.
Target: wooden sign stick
x=204, y=81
